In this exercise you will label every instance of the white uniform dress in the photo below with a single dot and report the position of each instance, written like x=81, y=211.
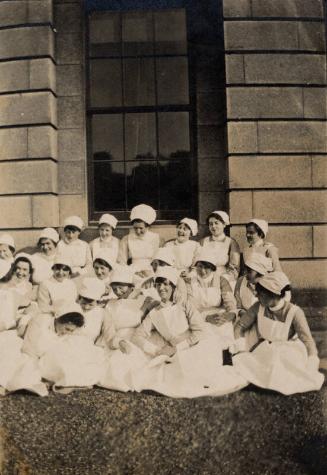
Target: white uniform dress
x=121, y=318
x=93, y=320
x=42, y=265
x=226, y=254
x=98, y=243
x=196, y=367
x=278, y=363
x=184, y=253
x=79, y=254
x=138, y=250
x=53, y=295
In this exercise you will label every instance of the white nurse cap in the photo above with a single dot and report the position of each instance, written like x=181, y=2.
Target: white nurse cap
x=123, y=275
x=258, y=262
x=164, y=254
x=7, y=239
x=75, y=221
x=275, y=282
x=223, y=215
x=204, y=255
x=108, y=219
x=144, y=213
x=192, y=224
x=262, y=224
x=107, y=255
x=49, y=233
x=169, y=273
x=92, y=288
x=64, y=260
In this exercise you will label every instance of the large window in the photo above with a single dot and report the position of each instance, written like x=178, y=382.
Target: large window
x=139, y=113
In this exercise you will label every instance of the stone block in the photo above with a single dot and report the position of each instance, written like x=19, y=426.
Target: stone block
x=70, y=112
x=42, y=74
x=263, y=102
x=13, y=143
x=306, y=274
x=26, y=238
x=14, y=75
x=211, y=141
x=69, y=80
x=70, y=205
x=209, y=201
x=315, y=102
x=31, y=41
x=28, y=177
x=269, y=171
x=45, y=211
x=15, y=212
x=240, y=206
x=272, y=68
x=68, y=18
x=242, y=137
x=71, y=144
x=71, y=177
x=13, y=13
x=320, y=241
x=237, y=8
x=234, y=64
x=292, y=137
x=40, y=11
x=211, y=174
x=287, y=8
x=69, y=48
x=211, y=108
x=311, y=36
x=291, y=241
x=319, y=171
x=306, y=206
x=28, y=108
x=42, y=142
x=260, y=35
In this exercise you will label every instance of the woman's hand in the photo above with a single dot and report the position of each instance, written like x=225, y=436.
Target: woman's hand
x=148, y=304
x=125, y=347
x=167, y=350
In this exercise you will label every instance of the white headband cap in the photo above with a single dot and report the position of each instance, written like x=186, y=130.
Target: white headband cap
x=63, y=260
x=144, y=213
x=205, y=255
x=4, y=268
x=192, y=224
x=6, y=238
x=74, y=221
x=169, y=273
x=107, y=255
x=262, y=224
x=166, y=255
x=224, y=216
x=275, y=282
x=49, y=233
x=108, y=219
x=68, y=308
x=122, y=274
x=258, y=262
x=92, y=288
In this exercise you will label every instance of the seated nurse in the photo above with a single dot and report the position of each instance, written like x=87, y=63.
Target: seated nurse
x=141, y=244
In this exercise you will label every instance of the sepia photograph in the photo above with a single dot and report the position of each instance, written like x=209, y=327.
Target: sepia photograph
x=163, y=237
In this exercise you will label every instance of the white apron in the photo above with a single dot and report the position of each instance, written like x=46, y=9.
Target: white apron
x=220, y=252
x=278, y=363
x=184, y=253
x=142, y=250
x=113, y=244
x=246, y=296
x=192, y=372
x=61, y=293
x=42, y=267
x=93, y=320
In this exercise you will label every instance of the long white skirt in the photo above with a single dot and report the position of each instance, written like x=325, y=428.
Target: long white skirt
x=281, y=366
x=193, y=372
x=73, y=362
x=18, y=370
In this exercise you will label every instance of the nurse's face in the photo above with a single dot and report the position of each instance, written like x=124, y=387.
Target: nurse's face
x=165, y=290
x=5, y=252
x=216, y=227
x=183, y=232
x=64, y=328
x=71, y=234
x=47, y=246
x=101, y=271
x=252, y=235
x=251, y=275
x=121, y=290
x=140, y=228
x=203, y=270
x=87, y=304
x=60, y=272
x=266, y=298
x=105, y=231
x=22, y=271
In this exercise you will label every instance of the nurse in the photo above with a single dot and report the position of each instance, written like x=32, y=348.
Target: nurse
x=106, y=240
x=183, y=248
x=43, y=260
x=7, y=247
x=256, y=232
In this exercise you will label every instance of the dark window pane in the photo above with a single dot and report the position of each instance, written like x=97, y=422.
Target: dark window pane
x=137, y=33
x=175, y=185
x=142, y=183
x=105, y=83
x=109, y=189
x=170, y=32
x=140, y=136
x=107, y=137
x=172, y=80
x=105, y=34
x=174, y=134
x=139, y=82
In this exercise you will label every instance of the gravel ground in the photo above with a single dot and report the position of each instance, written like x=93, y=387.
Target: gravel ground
x=100, y=432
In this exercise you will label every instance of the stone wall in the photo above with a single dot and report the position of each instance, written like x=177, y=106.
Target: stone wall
x=276, y=111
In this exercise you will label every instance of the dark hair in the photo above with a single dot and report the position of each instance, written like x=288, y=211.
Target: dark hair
x=207, y=265
x=246, y=268
x=259, y=231
x=70, y=227
x=217, y=216
x=188, y=227
x=140, y=221
x=59, y=266
x=102, y=262
x=122, y=283
x=260, y=288
x=285, y=289
x=161, y=280
x=23, y=259
x=39, y=241
x=71, y=317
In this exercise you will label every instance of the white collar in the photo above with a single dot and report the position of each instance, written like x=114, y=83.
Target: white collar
x=220, y=238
